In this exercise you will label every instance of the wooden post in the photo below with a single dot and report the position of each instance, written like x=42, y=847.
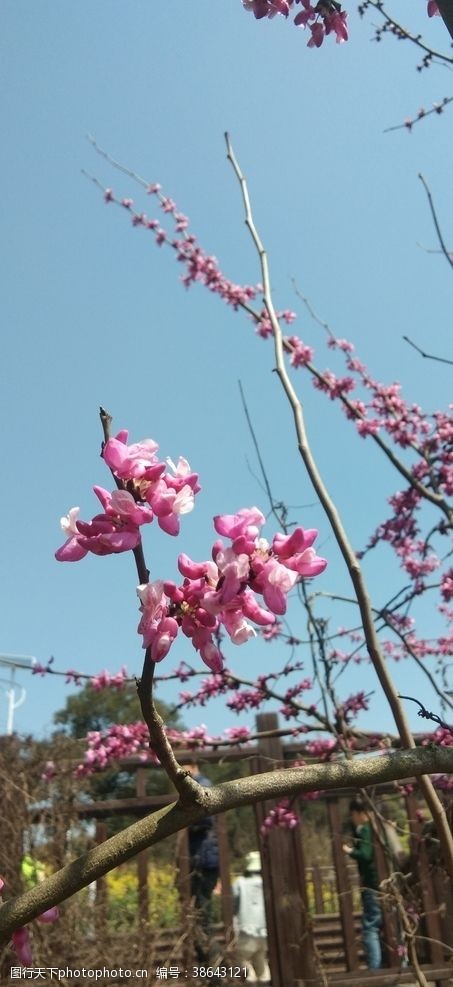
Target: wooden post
x=345, y=898
x=142, y=864
x=317, y=889
x=227, y=897
x=100, y=913
x=290, y=934
x=183, y=883
x=390, y=934
x=431, y=918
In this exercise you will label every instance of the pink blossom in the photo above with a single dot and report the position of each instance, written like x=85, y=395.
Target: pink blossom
x=301, y=354
x=446, y=588
x=166, y=632
x=105, y=680
x=103, y=535
x=51, y=915
x=341, y=344
x=238, y=627
x=222, y=592
x=154, y=609
x=271, y=631
x=133, y=461
x=335, y=387
x=336, y=22
x=317, y=35
x=281, y=816
x=267, y=8
x=49, y=772
x=121, y=504
x=353, y=705
x=433, y=9
x=245, y=525
x=245, y=699
x=168, y=505
x=305, y=15
x=240, y=735
x=21, y=938
x=274, y=581
x=39, y=669
x=21, y=941
x=115, y=531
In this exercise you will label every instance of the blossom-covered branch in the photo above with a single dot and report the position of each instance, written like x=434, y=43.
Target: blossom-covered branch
x=350, y=558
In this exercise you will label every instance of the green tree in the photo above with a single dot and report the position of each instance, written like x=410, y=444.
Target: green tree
x=92, y=709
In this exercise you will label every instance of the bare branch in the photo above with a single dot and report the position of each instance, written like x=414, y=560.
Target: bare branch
x=427, y=356
x=421, y=115
x=436, y=221
x=402, y=33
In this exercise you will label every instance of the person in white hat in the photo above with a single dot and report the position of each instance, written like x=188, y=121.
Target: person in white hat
x=250, y=920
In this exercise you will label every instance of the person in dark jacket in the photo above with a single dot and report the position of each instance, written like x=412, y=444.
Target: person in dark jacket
x=204, y=867
x=362, y=850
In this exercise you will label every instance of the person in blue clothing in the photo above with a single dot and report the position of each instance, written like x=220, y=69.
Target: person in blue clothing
x=362, y=850
x=204, y=868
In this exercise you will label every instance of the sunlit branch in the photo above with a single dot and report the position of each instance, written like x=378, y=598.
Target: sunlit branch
x=341, y=537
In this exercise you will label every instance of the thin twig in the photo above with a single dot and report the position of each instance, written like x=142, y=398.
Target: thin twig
x=408, y=124
x=401, y=32
x=427, y=356
x=436, y=221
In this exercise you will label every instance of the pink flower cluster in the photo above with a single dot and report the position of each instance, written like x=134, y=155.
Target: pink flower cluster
x=385, y=411
x=239, y=735
x=21, y=938
x=49, y=772
x=290, y=708
x=109, y=746
x=281, y=816
x=104, y=680
x=246, y=699
x=222, y=592
x=200, y=266
x=264, y=324
x=353, y=705
x=446, y=587
x=326, y=17
x=147, y=489
x=215, y=685
x=118, y=741
x=321, y=747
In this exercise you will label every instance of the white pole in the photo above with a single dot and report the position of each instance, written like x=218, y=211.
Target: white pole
x=12, y=662
x=11, y=693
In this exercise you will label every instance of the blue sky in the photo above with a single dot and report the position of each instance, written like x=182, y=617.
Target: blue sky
x=94, y=314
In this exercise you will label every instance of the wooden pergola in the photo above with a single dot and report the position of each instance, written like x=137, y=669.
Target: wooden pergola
x=298, y=941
